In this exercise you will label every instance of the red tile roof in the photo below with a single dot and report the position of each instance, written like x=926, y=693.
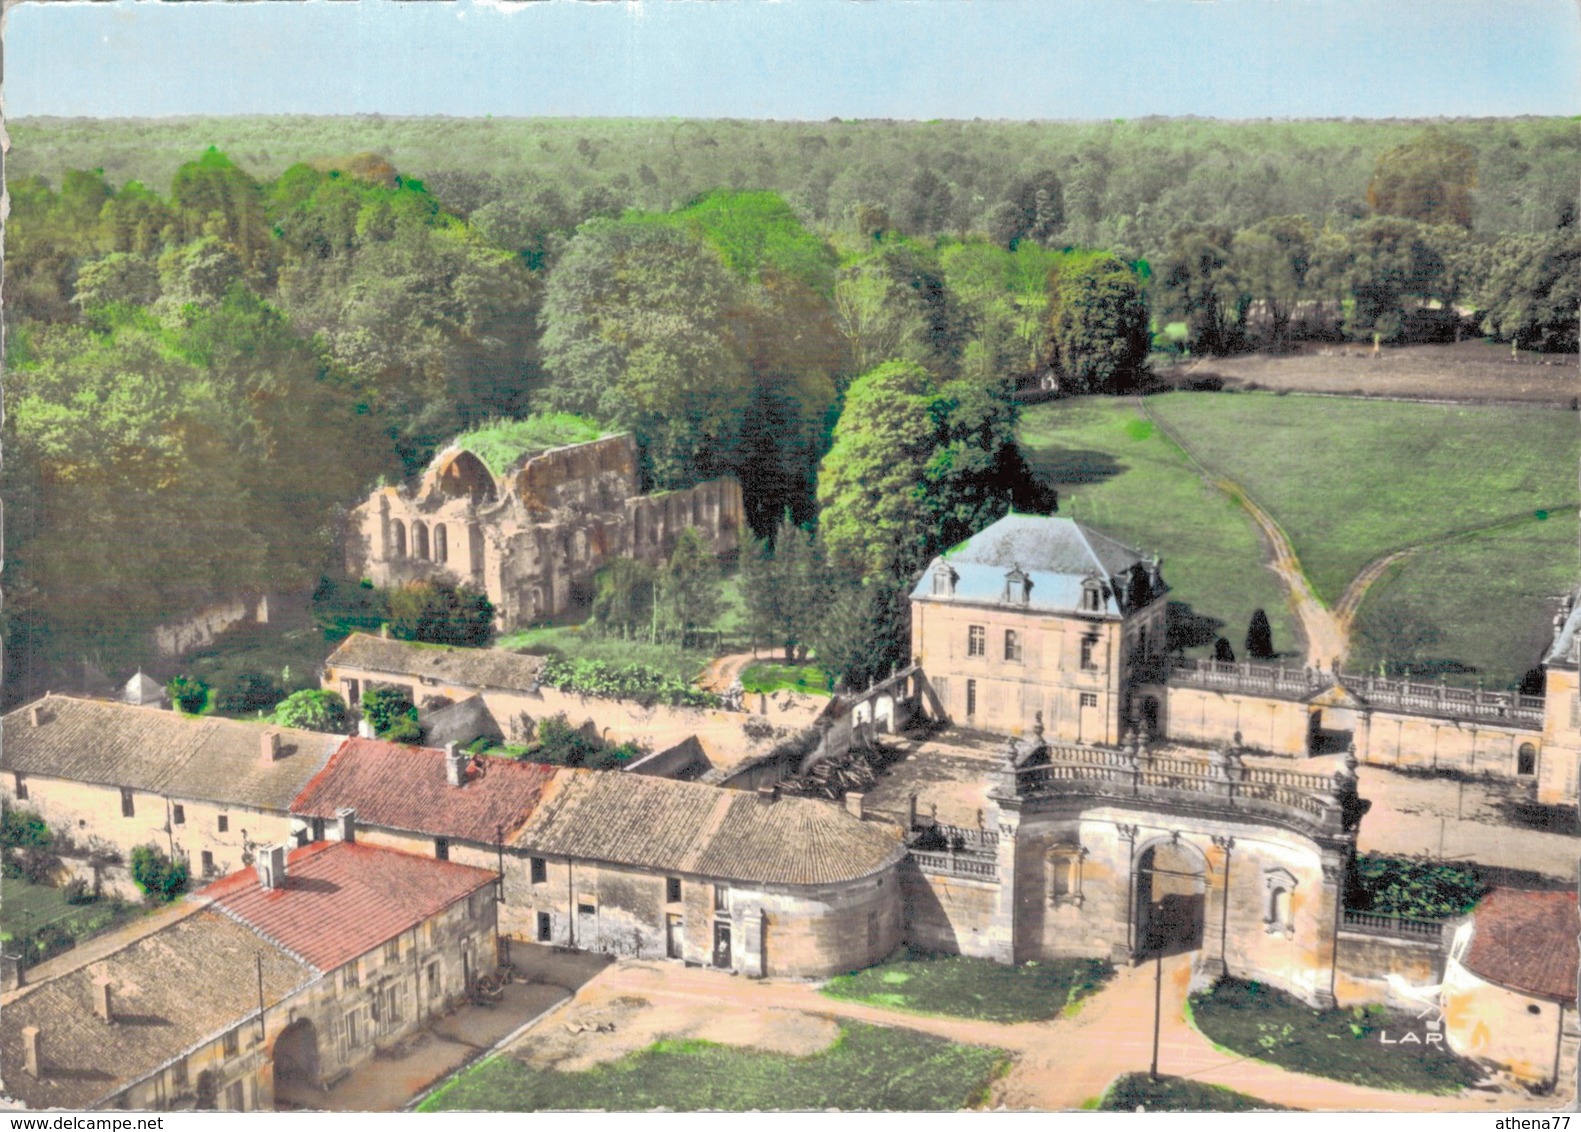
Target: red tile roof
x=343, y=899
x=400, y=787
x=1527, y=941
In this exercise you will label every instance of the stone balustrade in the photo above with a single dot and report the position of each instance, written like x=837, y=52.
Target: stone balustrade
x=1394, y=927
x=1415, y=697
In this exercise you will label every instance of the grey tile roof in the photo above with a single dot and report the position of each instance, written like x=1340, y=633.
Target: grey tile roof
x=473, y=668
x=173, y=990
x=690, y=828
x=1057, y=554
x=161, y=752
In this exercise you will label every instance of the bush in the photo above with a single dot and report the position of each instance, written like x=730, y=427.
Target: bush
x=403, y=730
x=188, y=693
x=29, y=846
x=248, y=692
x=24, y=829
x=160, y=878
x=341, y=608
x=314, y=709
x=78, y=891
x=384, y=707
x=441, y=614
x=1427, y=890
x=560, y=744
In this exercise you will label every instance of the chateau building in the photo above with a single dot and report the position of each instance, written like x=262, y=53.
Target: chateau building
x=532, y=538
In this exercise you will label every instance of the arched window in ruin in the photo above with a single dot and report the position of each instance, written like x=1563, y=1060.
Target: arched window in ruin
x=419, y=540
x=1065, y=868
x=1278, y=914
x=397, y=539
x=441, y=543
x=697, y=509
x=1526, y=759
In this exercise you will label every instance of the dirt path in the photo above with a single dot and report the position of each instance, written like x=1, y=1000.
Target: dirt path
x=1327, y=639
x=723, y=670
x=1059, y=1064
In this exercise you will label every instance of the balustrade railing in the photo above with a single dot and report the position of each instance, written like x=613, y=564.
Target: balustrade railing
x=969, y=866
x=1399, y=927
x=1414, y=696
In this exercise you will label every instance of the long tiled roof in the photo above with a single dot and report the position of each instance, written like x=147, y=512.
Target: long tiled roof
x=688, y=827
x=343, y=899
x=161, y=752
x=474, y=668
x=1056, y=554
x=1526, y=941
x=170, y=991
x=405, y=788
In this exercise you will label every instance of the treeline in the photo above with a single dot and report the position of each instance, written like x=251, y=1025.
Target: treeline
x=200, y=378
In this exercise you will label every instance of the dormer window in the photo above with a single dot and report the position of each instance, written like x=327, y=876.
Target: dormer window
x=944, y=579
x=1018, y=587
x=1091, y=596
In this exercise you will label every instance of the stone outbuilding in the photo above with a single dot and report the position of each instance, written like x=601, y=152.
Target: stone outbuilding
x=632, y=865
x=532, y=537
x=1509, y=992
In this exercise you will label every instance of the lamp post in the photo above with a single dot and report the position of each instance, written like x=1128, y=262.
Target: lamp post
x=1158, y=997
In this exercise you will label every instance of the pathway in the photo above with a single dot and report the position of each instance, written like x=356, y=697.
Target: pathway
x=1059, y=1064
x=724, y=670
x=1327, y=638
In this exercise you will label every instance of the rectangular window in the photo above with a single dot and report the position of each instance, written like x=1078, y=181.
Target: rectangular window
x=545, y=927
x=721, y=898
x=178, y=1074
x=392, y=950
x=971, y=698
x=353, y=1029
x=585, y=909
x=1089, y=699
x=127, y=809
x=1087, y=645
x=976, y=641
x=672, y=890
x=349, y=978
x=178, y=814
x=232, y=1043
x=207, y=860
x=441, y=849
x=540, y=870
x=1012, y=645
x=21, y=788
x=235, y=1096
x=224, y=823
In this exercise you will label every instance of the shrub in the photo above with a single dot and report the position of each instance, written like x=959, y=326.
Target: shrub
x=188, y=693
x=29, y=846
x=160, y=878
x=24, y=829
x=78, y=891
x=248, y=692
x=341, y=608
x=383, y=707
x=403, y=730
x=1428, y=890
x=1260, y=637
x=637, y=682
x=441, y=614
x=560, y=744
x=314, y=709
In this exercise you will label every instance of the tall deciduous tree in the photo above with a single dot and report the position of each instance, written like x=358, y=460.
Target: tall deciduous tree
x=688, y=588
x=1429, y=179
x=1274, y=259
x=785, y=587
x=1099, y=333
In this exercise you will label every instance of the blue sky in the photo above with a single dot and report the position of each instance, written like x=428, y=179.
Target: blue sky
x=809, y=59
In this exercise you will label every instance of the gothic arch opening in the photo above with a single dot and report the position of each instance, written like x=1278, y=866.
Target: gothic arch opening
x=397, y=539
x=441, y=544
x=296, y=1065
x=1170, y=888
x=419, y=540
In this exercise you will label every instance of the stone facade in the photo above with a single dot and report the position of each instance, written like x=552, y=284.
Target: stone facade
x=532, y=538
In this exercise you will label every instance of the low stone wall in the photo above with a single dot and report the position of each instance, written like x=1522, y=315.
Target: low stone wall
x=948, y=914
x=1364, y=962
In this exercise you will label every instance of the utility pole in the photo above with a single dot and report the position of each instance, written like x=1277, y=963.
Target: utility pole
x=1158, y=1000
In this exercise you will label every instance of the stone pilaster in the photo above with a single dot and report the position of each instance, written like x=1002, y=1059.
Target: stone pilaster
x=1002, y=928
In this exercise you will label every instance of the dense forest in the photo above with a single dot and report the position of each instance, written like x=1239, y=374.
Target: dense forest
x=222, y=332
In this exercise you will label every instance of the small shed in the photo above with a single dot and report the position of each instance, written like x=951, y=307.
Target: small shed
x=144, y=691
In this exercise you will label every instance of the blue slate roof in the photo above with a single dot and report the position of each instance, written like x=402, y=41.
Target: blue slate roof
x=1058, y=555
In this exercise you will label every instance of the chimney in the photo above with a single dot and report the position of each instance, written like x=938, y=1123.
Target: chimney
x=35, y=714
x=456, y=765
x=271, y=866
x=270, y=746
x=32, y=1050
x=769, y=793
x=853, y=804
x=347, y=818
x=101, y=999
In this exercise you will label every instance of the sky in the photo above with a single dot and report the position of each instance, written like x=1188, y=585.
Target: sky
x=798, y=59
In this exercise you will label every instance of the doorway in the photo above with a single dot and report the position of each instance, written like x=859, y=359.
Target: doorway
x=296, y=1067
x=722, y=946
x=674, y=927
x=1171, y=898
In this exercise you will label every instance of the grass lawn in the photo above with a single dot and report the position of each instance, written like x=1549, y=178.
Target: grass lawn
x=1117, y=473
x=1349, y=480
x=1486, y=595
x=25, y=908
x=1343, y=1045
x=868, y=1067
x=963, y=987
x=769, y=677
x=1176, y=1094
